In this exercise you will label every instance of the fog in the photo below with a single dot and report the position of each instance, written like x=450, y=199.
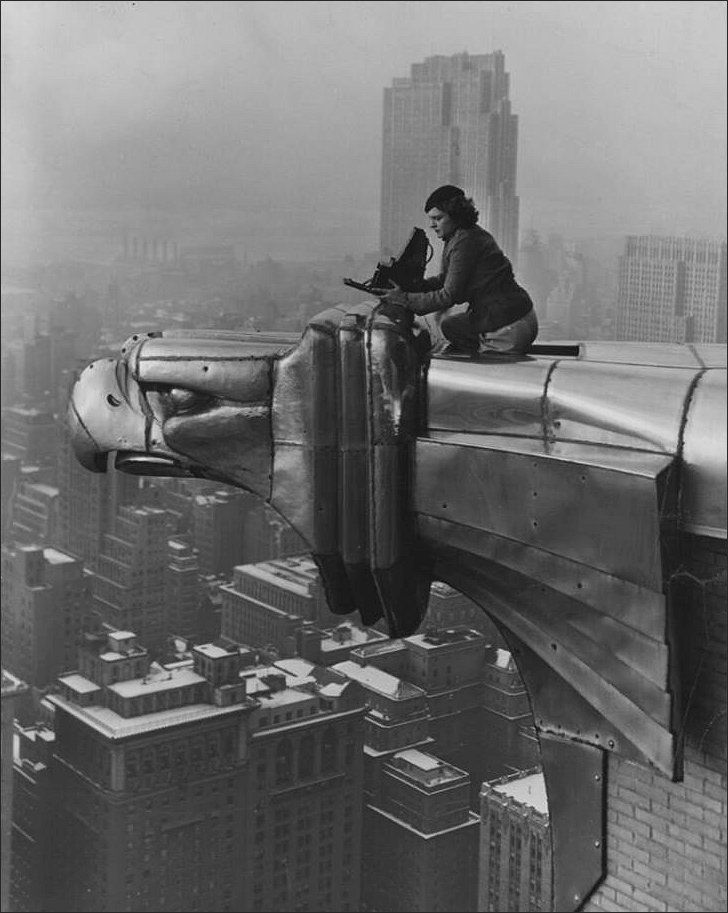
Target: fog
x=262, y=121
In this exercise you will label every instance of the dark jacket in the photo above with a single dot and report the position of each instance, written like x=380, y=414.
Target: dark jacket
x=474, y=270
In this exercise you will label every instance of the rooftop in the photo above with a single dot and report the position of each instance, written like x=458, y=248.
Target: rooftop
x=437, y=637
x=113, y=726
x=53, y=556
x=529, y=790
x=425, y=768
x=376, y=680
x=79, y=683
x=161, y=679
x=11, y=685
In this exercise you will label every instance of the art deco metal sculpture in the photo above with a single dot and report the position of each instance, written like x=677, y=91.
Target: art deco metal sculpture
x=553, y=490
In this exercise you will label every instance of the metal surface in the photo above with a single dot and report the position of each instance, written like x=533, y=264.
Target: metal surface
x=703, y=494
x=578, y=830
x=597, y=506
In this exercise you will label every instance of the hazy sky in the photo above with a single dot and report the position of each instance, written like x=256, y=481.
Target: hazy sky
x=243, y=105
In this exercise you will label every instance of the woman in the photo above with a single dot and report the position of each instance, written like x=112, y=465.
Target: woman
x=500, y=315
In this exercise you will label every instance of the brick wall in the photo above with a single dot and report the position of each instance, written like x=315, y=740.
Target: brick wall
x=666, y=842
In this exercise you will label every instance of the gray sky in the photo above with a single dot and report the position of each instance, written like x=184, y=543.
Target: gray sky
x=276, y=105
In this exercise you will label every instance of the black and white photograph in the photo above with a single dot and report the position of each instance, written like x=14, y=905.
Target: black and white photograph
x=363, y=436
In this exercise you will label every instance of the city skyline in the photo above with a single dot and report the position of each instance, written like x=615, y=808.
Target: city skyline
x=264, y=119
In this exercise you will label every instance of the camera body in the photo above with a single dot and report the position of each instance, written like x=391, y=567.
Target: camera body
x=407, y=269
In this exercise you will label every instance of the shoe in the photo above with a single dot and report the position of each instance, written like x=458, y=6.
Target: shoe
x=453, y=351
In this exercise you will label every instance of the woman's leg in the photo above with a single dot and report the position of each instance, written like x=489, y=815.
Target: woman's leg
x=459, y=331
x=512, y=339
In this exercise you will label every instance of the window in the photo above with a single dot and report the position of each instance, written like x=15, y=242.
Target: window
x=328, y=751
x=284, y=773
x=306, y=757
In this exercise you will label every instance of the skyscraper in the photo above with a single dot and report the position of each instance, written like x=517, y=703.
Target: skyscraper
x=450, y=122
x=210, y=784
x=672, y=290
x=515, y=844
x=424, y=853
x=45, y=605
x=10, y=691
x=129, y=578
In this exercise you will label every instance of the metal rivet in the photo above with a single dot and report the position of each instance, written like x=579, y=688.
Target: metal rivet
x=597, y=843
x=597, y=777
x=611, y=743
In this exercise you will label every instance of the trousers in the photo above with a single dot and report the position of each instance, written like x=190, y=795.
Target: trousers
x=512, y=339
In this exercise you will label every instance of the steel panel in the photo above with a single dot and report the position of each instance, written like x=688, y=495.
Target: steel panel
x=599, y=406
x=637, y=607
x=603, y=515
x=654, y=740
x=703, y=495
x=642, y=353
x=578, y=830
x=217, y=369
x=353, y=458
x=501, y=399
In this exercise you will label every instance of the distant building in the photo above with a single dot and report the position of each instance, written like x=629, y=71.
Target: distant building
x=32, y=831
x=508, y=725
x=213, y=784
x=268, y=535
x=30, y=434
x=478, y=712
x=34, y=514
x=450, y=122
x=88, y=502
x=334, y=645
x=218, y=526
x=129, y=577
x=422, y=848
x=515, y=844
x=672, y=290
x=267, y=603
x=9, y=480
x=46, y=602
x=12, y=689
x=183, y=591
x=396, y=717
x=448, y=608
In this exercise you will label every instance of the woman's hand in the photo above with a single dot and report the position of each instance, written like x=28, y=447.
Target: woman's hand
x=392, y=295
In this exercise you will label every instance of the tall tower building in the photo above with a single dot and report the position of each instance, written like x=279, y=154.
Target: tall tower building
x=209, y=784
x=32, y=838
x=422, y=851
x=515, y=844
x=450, y=122
x=45, y=605
x=672, y=290
x=267, y=603
x=183, y=590
x=129, y=581
x=12, y=689
x=87, y=502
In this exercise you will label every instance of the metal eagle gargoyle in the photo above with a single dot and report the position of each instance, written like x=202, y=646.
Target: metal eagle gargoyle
x=553, y=490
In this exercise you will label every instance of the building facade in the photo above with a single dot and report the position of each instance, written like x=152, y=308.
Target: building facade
x=129, y=576
x=11, y=690
x=422, y=851
x=46, y=602
x=211, y=784
x=450, y=122
x=672, y=290
x=515, y=844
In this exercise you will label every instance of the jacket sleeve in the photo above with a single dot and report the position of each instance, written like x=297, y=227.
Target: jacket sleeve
x=452, y=285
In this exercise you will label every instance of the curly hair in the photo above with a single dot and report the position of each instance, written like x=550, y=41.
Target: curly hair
x=461, y=210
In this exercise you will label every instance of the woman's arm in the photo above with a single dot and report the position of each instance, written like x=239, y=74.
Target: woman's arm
x=451, y=287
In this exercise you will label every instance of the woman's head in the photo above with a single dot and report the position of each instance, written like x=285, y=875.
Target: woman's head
x=449, y=209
